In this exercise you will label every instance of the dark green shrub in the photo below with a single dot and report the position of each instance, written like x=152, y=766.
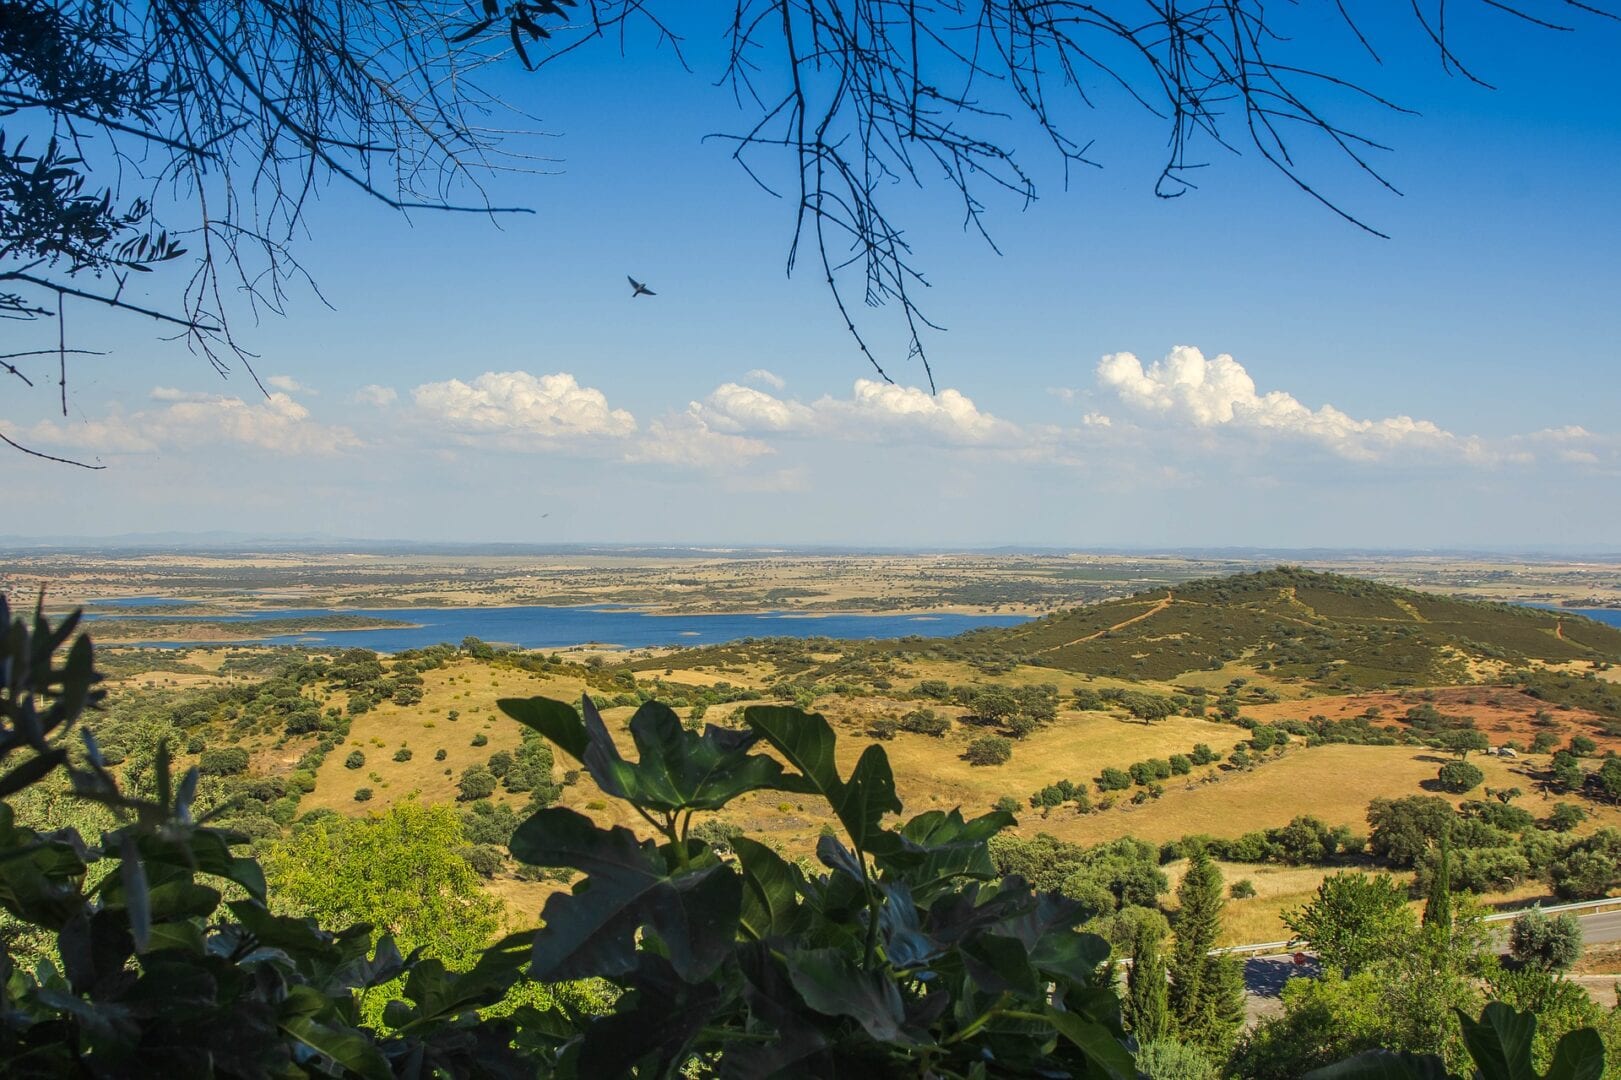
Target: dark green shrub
x=485, y=859
x=402, y=754
x=477, y=782
x=1111, y=779
x=1553, y=944
x=1565, y=817
x=226, y=761
x=355, y=760
x=1459, y=777
x=989, y=750
x=363, y=794
x=925, y=722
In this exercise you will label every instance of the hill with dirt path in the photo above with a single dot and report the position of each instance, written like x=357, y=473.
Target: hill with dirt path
x=1336, y=631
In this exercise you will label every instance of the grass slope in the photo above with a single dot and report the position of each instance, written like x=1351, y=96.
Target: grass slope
x=1338, y=631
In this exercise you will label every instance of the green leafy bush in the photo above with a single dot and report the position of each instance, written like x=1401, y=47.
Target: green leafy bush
x=925, y=722
x=226, y=761
x=1537, y=941
x=989, y=750
x=1459, y=777
x=477, y=782
x=1112, y=779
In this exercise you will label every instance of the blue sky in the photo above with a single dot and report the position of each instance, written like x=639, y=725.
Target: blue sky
x=1291, y=381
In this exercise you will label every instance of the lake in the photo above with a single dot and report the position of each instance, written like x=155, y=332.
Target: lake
x=539, y=627
x=1608, y=616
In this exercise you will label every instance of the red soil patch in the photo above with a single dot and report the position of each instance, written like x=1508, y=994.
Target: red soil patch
x=1501, y=712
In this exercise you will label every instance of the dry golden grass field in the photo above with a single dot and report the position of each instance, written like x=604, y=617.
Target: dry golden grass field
x=1333, y=783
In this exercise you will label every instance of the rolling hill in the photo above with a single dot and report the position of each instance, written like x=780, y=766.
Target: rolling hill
x=1340, y=632
x=1328, y=631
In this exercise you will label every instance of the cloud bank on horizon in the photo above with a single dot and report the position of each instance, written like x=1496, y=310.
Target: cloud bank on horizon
x=1184, y=404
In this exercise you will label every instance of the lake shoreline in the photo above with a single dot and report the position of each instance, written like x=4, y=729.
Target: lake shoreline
x=155, y=622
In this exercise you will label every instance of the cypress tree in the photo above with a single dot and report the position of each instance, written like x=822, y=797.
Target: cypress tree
x=1207, y=992
x=1145, y=1008
x=1438, y=903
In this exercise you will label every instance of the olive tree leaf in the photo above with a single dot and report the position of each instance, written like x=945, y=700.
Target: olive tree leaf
x=592, y=931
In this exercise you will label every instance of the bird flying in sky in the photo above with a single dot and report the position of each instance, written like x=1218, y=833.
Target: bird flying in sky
x=639, y=288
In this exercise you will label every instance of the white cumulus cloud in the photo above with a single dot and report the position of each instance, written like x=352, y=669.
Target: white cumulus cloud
x=874, y=410
x=516, y=403
x=186, y=420
x=288, y=384
x=733, y=407
x=1217, y=392
x=687, y=440
x=769, y=378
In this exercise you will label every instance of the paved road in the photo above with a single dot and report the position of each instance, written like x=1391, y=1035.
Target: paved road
x=1265, y=976
x=1602, y=927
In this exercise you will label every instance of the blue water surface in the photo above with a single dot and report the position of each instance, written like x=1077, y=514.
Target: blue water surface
x=539, y=627
x=1609, y=616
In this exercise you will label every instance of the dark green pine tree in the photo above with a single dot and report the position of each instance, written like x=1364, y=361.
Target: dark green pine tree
x=1146, y=1008
x=1207, y=992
